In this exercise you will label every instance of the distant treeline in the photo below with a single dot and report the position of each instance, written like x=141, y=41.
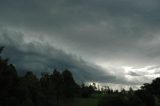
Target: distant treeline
x=148, y=95
x=59, y=89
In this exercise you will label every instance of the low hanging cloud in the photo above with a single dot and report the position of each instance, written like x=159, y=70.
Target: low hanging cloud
x=40, y=58
x=44, y=58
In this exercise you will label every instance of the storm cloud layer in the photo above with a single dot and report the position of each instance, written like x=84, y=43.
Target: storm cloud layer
x=113, y=41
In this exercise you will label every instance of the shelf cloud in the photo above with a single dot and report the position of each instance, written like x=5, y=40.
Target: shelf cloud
x=96, y=39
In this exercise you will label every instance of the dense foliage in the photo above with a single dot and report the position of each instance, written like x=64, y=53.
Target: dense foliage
x=51, y=89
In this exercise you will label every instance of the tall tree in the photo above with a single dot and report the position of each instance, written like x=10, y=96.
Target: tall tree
x=8, y=79
x=70, y=88
x=56, y=80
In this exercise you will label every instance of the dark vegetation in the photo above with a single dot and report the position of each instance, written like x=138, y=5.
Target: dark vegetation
x=60, y=89
x=51, y=89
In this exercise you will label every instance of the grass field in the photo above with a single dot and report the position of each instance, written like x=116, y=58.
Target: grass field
x=85, y=102
x=91, y=101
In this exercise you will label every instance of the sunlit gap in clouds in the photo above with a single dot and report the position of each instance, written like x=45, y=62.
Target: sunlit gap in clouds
x=148, y=71
x=136, y=75
x=113, y=86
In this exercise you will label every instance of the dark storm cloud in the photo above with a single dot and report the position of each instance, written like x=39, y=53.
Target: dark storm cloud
x=61, y=13
x=44, y=58
x=40, y=57
x=119, y=32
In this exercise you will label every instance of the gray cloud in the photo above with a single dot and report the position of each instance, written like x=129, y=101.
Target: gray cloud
x=133, y=74
x=113, y=32
x=44, y=58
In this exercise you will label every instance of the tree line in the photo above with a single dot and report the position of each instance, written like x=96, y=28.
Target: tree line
x=59, y=89
x=147, y=95
x=51, y=89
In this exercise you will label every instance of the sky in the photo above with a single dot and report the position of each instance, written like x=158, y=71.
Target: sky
x=114, y=42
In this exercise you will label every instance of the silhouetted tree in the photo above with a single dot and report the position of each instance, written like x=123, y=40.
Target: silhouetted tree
x=56, y=80
x=87, y=91
x=70, y=88
x=8, y=78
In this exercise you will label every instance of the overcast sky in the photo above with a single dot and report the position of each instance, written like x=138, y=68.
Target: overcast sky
x=105, y=41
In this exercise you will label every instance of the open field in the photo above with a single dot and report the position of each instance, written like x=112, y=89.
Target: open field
x=85, y=102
